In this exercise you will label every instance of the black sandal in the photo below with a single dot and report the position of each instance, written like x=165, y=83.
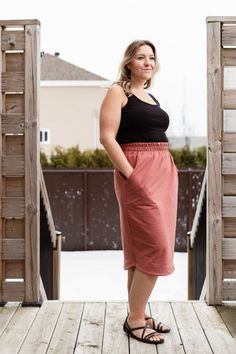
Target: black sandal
x=143, y=338
x=159, y=327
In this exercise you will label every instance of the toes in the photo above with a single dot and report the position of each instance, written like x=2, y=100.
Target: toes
x=159, y=337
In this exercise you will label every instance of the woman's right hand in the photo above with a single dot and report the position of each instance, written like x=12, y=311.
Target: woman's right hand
x=130, y=173
x=127, y=175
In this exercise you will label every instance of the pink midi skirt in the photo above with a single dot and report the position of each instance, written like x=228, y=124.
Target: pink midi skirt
x=148, y=207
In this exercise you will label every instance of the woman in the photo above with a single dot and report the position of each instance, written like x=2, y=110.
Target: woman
x=132, y=131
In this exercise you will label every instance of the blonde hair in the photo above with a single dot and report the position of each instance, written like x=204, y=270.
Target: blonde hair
x=124, y=78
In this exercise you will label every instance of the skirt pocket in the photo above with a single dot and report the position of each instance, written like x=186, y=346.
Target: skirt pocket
x=133, y=160
x=123, y=178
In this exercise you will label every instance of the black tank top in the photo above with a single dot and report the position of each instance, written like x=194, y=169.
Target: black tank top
x=142, y=122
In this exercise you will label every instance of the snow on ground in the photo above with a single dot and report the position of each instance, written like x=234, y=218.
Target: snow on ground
x=99, y=276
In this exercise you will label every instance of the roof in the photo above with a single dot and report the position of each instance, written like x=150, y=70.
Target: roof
x=54, y=68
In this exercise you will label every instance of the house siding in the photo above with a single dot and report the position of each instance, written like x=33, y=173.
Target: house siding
x=70, y=114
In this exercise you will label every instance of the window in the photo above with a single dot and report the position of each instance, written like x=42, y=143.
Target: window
x=45, y=136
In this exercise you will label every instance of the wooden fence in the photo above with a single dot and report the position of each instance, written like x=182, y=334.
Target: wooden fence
x=221, y=160
x=20, y=166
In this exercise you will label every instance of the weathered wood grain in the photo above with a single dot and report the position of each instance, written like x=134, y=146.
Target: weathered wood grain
x=13, y=166
x=17, y=23
x=229, y=99
x=162, y=312
x=14, y=228
x=14, y=103
x=43, y=191
x=229, y=227
x=229, y=290
x=54, y=327
x=1, y=167
x=14, y=269
x=13, y=207
x=18, y=327
x=215, y=329
x=13, y=40
x=91, y=329
x=228, y=57
x=13, y=82
x=32, y=162
x=57, y=268
x=14, y=145
x=66, y=330
x=228, y=35
x=214, y=179
x=229, y=206
x=41, y=331
x=228, y=314
x=15, y=62
x=229, y=187
x=190, y=329
x=229, y=142
x=13, y=123
x=6, y=314
x=14, y=187
x=228, y=163
x=229, y=248
x=115, y=340
x=229, y=266
x=223, y=19
x=13, y=249
x=13, y=290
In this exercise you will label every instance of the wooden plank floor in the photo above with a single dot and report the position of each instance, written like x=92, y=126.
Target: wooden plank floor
x=96, y=328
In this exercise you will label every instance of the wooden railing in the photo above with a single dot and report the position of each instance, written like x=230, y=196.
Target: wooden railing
x=50, y=247
x=196, y=246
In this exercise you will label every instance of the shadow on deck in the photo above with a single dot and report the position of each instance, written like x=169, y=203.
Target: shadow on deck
x=96, y=327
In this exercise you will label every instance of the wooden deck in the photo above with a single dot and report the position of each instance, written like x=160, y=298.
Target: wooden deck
x=96, y=327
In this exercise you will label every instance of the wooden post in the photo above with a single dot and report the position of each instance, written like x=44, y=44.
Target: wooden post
x=1, y=180
x=57, y=267
x=32, y=162
x=19, y=165
x=214, y=180
x=221, y=160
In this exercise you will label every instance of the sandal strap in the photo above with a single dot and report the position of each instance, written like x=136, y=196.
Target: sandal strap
x=135, y=328
x=153, y=322
x=140, y=327
x=160, y=326
x=152, y=334
x=148, y=318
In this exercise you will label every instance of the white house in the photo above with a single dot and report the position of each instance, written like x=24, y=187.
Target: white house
x=70, y=99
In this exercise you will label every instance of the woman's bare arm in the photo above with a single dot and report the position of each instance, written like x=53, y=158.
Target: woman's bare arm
x=110, y=114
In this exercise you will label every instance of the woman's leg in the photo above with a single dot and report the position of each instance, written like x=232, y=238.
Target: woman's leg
x=140, y=286
x=129, y=282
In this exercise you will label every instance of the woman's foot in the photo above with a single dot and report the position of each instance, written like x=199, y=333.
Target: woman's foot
x=134, y=323
x=157, y=326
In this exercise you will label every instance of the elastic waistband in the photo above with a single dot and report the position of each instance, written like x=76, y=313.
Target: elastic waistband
x=145, y=146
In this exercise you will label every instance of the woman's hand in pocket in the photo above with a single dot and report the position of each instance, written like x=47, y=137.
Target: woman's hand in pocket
x=130, y=173
x=127, y=175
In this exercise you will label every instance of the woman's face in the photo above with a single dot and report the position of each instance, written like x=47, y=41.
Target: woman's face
x=143, y=64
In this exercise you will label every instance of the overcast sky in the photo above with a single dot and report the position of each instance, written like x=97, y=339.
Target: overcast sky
x=93, y=34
